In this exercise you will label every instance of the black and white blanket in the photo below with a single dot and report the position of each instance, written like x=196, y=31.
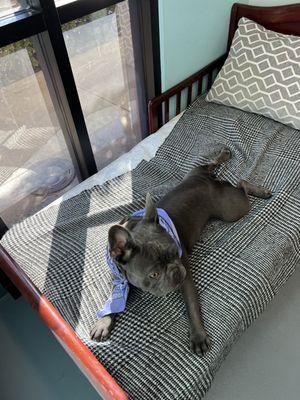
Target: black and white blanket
x=238, y=267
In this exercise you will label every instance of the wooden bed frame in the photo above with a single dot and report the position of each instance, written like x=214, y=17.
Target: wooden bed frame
x=284, y=19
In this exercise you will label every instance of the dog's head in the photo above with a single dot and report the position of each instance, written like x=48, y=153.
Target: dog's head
x=147, y=254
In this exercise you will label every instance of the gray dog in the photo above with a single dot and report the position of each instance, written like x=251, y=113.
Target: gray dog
x=147, y=254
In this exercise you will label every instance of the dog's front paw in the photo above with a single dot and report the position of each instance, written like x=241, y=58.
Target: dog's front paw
x=102, y=329
x=225, y=154
x=200, y=342
x=265, y=193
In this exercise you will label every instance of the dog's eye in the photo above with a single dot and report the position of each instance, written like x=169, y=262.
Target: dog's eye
x=154, y=275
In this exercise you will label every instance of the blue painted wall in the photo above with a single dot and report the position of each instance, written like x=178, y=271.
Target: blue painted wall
x=268, y=3
x=192, y=33
x=33, y=365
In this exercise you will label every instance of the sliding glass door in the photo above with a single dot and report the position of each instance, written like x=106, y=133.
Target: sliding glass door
x=75, y=78
x=100, y=49
x=36, y=163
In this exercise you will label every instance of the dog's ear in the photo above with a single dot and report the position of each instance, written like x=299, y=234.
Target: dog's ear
x=150, y=210
x=121, y=243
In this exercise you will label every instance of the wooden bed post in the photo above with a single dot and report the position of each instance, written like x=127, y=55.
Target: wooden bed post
x=163, y=100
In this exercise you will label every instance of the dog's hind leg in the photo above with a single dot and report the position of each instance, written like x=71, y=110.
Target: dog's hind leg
x=208, y=169
x=223, y=156
x=254, y=190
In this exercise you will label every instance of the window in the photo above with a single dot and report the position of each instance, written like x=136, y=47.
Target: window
x=101, y=54
x=35, y=163
x=75, y=79
x=12, y=6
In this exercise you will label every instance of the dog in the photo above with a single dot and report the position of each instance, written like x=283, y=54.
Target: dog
x=148, y=255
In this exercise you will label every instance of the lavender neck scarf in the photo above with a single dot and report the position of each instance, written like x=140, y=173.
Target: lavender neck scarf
x=117, y=301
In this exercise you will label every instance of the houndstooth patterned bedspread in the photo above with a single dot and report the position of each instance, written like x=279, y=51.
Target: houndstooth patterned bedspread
x=238, y=267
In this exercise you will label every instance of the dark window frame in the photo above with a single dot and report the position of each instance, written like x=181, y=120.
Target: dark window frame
x=44, y=19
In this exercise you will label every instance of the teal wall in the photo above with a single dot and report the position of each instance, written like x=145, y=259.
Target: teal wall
x=192, y=33
x=271, y=2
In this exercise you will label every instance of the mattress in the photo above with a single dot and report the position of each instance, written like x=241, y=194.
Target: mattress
x=237, y=267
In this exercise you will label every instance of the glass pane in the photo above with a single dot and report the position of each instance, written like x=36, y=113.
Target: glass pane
x=101, y=55
x=35, y=164
x=10, y=6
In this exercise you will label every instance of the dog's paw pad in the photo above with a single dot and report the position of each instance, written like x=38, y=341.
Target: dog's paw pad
x=102, y=329
x=226, y=153
x=200, y=343
x=266, y=194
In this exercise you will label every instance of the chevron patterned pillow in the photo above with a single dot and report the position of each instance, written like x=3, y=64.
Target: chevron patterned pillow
x=261, y=74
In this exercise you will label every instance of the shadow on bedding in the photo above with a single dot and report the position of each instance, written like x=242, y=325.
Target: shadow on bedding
x=77, y=279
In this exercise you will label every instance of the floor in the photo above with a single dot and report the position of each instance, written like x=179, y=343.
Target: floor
x=33, y=365
x=264, y=364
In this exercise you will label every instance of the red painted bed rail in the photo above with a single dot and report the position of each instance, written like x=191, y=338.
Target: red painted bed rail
x=102, y=381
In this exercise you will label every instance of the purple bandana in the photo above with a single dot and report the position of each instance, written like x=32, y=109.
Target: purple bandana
x=117, y=300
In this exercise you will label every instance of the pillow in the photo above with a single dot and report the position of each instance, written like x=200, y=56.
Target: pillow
x=261, y=74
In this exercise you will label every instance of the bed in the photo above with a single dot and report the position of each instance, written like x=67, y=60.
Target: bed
x=55, y=258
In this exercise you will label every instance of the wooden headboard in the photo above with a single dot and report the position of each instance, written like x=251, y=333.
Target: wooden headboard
x=282, y=19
